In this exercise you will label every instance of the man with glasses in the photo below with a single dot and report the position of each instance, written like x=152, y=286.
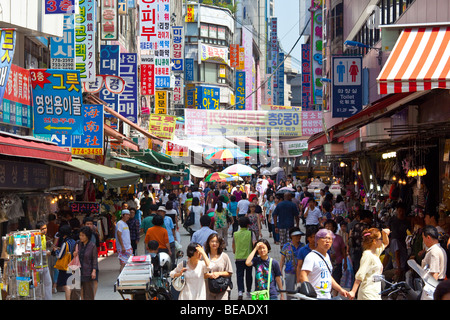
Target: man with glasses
x=317, y=267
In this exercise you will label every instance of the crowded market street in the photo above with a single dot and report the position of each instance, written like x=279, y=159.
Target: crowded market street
x=225, y=156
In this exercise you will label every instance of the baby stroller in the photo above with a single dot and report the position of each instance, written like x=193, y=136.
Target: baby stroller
x=159, y=286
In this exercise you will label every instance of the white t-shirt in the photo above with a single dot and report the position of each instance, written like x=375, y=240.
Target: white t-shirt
x=319, y=276
x=243, y=206
x=197, y=211
x=123, y=228
x=313, y=216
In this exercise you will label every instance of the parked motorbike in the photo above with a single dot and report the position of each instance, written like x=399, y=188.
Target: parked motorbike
x=305, y=292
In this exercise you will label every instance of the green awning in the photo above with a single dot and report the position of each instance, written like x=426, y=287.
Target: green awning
x=146, y=167
x=157, y=159
x=115, y=178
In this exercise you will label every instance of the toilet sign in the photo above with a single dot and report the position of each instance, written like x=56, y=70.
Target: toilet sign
x=347, y=86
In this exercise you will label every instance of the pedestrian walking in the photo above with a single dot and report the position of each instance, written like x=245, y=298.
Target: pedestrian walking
x=222, y=219
x=285, y=217
x=243, y=241
x=220, y=266
x=158, y=233
x=134, y=226
x=62, y=253
x=197, y=266
x=338, y=251
x=289, y=258
x=87, y=254
x=123, y=239
x=265, y=268
x=201, y=235
x=374, y=243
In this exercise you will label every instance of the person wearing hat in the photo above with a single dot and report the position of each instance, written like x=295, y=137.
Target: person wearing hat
x=123, y=239
x=170, y=227
x=289, y=258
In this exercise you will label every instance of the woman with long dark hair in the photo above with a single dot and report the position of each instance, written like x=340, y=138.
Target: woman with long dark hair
x=222, y=219
x=67, y=246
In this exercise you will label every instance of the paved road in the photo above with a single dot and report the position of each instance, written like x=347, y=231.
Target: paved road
x=109, y=267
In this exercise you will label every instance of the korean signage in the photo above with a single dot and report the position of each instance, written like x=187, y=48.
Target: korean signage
x=62, y=49
x=24, y=175
x=242, y=122
x=306, y=76
x=189, y=71
x=190, y=14
x=147, y=79
x=91, y=142
x=212, y=53
x=154, y=35
x=293, y=148
x=207, y=98
x=234, y=55
x=175, y=150
x=178, y=90
x=161, y=101
x=274, y=57
x=109, y=20
x=128, y=104
x=109, y=65
x=241, y=58
x=311, y=122
x=59, y=6
x=274, y=107
x=84, y=207
x=190, y=96
x=240, y=90
x=145, y=104
x=16, y=107
x=347, y=86
x=122, y=4
x=247, y=44
x=162, y=126
x=280, y=78
x=316, y=52
x=177, y=49
x=8, y=45
x=85, y=30
x=57, y=101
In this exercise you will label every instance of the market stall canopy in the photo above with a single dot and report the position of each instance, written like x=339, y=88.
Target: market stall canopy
x=419, y=61
x=28, y=147
x=239, y=169
x=142, y=166
x=198, y=172
x=115, y=178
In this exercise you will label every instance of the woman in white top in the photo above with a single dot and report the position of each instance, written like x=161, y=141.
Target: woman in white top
x=220, y=265
x=194, y=273
x=198, y=211
x=374, y=242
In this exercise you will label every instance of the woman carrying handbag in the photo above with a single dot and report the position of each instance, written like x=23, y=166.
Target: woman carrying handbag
x=86, y=252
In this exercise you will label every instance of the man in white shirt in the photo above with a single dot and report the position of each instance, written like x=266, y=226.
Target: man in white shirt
x=242, y=206
x=123, y=239
x=435, y=258
x=313, y=215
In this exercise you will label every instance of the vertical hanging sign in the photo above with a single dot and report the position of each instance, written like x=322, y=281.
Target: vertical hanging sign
x=59, y=6
x=280, y=79
x=234, y=55
x=85, y=28
x=162, y=52
x=274, y=56
x=62, y=49
x=161, y=99
x=7, y=48
x=247, y=44
x=177, y=49
x=109, y=20
x=240, y=90
x=109, y=65
x=316, y=52
x=306, y=76
x=128, y=104
x=147, y=79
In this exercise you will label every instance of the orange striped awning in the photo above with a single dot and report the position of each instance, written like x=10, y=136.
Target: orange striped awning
x=419, y=61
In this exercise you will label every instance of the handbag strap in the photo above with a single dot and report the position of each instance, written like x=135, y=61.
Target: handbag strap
x=270, y=273
x=323, y=261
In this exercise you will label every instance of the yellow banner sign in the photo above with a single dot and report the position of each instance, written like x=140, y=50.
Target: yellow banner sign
x=163, y=126
x=161, y=102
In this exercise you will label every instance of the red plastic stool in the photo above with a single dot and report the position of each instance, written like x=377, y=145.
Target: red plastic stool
x=102, y=250
x=111, y=245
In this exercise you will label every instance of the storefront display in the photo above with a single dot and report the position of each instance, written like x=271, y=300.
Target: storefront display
x=23, y=277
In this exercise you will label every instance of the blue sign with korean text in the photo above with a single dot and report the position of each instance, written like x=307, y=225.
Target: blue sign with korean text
x=7, y=48
x=177, y=49
x=189, y=72
x=91, y=142
x=207, y=98
x=128, y=106
x=62, y=49
x=347, y=91
x=57, y=101
x=59, y=6
x=240, y=90
x=280, y=79
x=110, y=65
